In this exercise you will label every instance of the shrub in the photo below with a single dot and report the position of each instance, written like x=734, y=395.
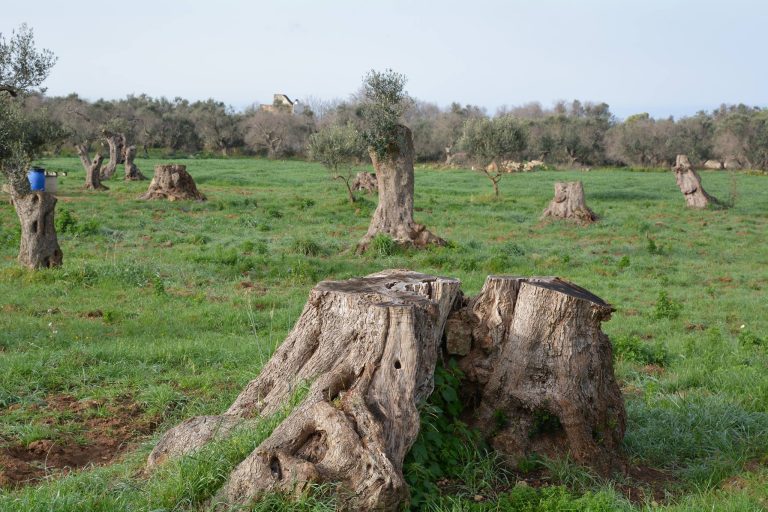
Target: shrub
x=666, y=307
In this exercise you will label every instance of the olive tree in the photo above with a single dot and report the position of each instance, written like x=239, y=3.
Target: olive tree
x=390, y=145
x=22, y=136
x=337, y=148
x=489, y=142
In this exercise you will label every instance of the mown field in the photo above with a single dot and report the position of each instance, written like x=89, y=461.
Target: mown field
x=166, y=310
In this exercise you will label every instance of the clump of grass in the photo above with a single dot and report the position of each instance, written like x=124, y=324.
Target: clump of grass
x=666, y=307
x=383, y=245
x=306, y=247
x=631, y=348
x=67, y=223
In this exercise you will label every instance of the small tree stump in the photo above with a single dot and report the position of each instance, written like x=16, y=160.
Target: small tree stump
x=538, y=376
x=394, y=213
x=539, y=371
x=174, y=183
x=132, y=172
x=365, y=181
x=569, y=204
x=39, y=246
x=689, y=182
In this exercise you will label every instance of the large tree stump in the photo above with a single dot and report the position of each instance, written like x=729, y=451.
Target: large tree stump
x=538, y=376
x=365, y=181
x=394, y=214
x=132, y=172
x=689, y=182
x=569, y=204
x=538, y=370
x=92, y=167
x=174, y=183
x=39, y=246
x=369, y=348
x=117, y=144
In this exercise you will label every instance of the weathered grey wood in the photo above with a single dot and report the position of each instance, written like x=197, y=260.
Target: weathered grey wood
x=92, y=167
x=569, y=204
x=116, y=143
x=39, y=246
x=132, y=172
x=174, y=183
x=689, y=182
x=539, y=373
x=394, y=213
x=530, y=348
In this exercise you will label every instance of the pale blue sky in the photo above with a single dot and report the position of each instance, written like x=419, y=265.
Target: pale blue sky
x=660, y=56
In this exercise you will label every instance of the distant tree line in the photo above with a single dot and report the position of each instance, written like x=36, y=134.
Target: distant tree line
x=568, y=134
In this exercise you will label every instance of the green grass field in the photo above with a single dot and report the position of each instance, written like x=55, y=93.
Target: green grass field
x=166, y=310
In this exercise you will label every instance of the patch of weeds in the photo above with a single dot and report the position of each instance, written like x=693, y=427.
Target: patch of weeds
x=274, y=213
x=666, y=307
x=749, y=339
x=512, y=249
x=631, y=348
x=304, y=203
x=444, y=442
x=652, y=247
x=623, y=263
x=199, y=239
x=158, y=287
x=67, y=223
x=10, y=237
x=306, y=247
x=383, y=245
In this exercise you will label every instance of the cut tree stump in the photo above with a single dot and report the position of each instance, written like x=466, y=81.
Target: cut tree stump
x=532, y=351
x=132, y=172
x=394, y=213
x=39, y=246
x=569, y=204
x=174, y=183
x=689, y=182
x=365, y=181
x=538, y=371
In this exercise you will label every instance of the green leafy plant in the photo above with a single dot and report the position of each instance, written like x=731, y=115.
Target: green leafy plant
x=666, y=307
x=383, y=245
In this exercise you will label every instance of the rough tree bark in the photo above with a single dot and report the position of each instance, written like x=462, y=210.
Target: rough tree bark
x=538, y=370
x=174, y=183
x=689, y=182
x=39, y=246
x=394, y=214
x=532, y=350
x=117, y=144
x=569, y=204
x=366, y=181
x=92, y=167
x=132, y=172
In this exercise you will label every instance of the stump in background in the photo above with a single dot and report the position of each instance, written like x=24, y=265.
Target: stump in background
x=538, y=377
x=132, y=172
x=569, y=204
x=39, y=246
x=172, y=182
x=365, y=181
x=689, y=182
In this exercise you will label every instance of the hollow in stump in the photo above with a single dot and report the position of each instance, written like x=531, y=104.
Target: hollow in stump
x=569, y=204
x=538, y=377
x=39, y=246
x=365, y=181
x=174, y=183
x=132, y=172
x=689, y=182
x=394, y=213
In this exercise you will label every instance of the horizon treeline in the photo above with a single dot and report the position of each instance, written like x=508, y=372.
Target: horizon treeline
x=569, y=134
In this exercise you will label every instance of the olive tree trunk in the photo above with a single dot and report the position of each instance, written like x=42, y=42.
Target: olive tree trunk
x=174, y=183
x=569, y=204
x=689, y=182
x=394, y=214
x=92, y=167
x=39, y=246
x=116, y=143
x=132, y=172
x=538, y=372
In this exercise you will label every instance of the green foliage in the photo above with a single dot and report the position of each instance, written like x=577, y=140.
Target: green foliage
x=384, y=102
x=666, y=307
x=336, y=147
x=750, y=339
x=67, y=223
x=496, y=139
x=631, y=348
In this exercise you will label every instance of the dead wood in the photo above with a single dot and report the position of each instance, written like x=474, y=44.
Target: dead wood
x=92, y=167
x=132, y=172
x=174, y=183
x=689, y=182
x=569, y=204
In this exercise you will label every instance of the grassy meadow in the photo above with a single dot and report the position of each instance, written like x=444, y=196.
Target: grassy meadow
x=165, y=310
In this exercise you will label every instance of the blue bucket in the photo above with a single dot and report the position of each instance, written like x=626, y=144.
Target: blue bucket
x=36, y=177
